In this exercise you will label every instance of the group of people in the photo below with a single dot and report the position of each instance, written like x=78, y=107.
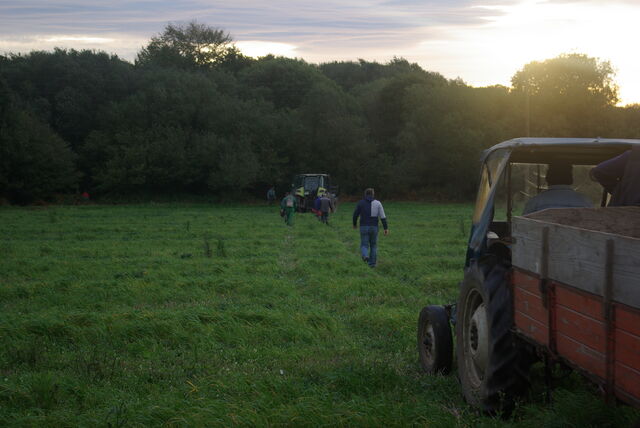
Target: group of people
x=322, y=206
x=368, y=211
x=619, y=176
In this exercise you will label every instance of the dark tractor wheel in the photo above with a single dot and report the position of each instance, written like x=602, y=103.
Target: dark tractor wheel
x=492, y=368
x=435, y=345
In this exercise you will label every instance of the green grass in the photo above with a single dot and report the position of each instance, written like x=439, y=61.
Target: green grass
x=201, y=315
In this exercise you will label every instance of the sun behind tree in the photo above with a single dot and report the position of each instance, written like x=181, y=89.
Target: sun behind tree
x=191, y=45
x=568, y=95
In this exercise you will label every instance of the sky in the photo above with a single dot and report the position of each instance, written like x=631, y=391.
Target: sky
x=483, y=42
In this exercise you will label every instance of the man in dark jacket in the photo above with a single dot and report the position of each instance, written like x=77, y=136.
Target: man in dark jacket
x=620, y=176
x=369, y=210
x=326, y=206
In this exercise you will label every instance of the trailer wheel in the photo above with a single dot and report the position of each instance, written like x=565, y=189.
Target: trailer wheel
x=493, y=370
x=435, y=345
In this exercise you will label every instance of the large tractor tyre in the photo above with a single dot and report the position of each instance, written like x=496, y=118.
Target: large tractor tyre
x=435, y=345
x=492, y=368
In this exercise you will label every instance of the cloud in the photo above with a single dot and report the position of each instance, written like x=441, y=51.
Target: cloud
x=482, y=41
x=79, y=39
x=321, y=31
x=256, y=48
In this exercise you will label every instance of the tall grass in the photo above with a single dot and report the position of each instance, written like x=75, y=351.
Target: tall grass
x=201, y=315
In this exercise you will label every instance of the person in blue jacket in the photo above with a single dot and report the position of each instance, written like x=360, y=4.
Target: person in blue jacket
x=560, y=193
x=369, y=210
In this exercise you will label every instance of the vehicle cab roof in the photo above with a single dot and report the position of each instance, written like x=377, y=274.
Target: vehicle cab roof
x=578, y=151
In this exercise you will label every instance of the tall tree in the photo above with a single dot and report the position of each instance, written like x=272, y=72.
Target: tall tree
x=569, y=75
x=192, y=45
x=567, y=95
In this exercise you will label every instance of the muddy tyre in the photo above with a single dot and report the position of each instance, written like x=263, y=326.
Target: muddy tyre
x=435, y=345
x=492, y=368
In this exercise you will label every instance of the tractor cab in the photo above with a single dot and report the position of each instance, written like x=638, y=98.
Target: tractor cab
x=514, y=171
x=306, y=187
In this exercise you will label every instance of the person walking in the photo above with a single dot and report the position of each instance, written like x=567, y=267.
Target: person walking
x=316, y=208
x=288, y=205
x=271, y=195
x=369, y=210
x=326, y=206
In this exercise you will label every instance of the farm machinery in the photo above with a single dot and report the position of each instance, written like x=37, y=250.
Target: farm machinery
x=306, y=187
x=561, y=285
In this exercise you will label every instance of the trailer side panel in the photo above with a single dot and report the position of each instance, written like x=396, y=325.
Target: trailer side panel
x=561, y=299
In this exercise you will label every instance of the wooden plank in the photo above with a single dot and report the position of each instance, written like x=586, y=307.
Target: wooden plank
x=581, y=328
x=579, y=301
x=577, y=257
x=627, y=319
x=526, y=281
x=532, y=328
x=627, y=349
x=584, y=357
x=628, y=380
x=529, y=304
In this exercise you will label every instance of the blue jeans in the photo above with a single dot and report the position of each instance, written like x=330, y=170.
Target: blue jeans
x=369, y=243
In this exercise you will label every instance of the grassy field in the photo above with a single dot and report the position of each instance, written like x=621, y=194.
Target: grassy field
x=203, y=315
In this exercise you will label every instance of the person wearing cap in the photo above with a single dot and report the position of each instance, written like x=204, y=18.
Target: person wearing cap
x=369, y=210
x=559, y=194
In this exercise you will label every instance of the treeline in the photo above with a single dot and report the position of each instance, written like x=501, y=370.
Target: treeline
x=193, y=115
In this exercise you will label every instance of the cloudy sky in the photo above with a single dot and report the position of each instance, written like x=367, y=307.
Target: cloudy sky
x=484, y=42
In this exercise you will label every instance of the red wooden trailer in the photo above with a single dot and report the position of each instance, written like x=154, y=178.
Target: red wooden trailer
x=576, y=292
x=561, y=283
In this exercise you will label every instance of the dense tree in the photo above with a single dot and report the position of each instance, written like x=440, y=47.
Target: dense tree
x=282, y=81
x=351, y=74
x=197, y=116
x=35, y=163
x=68, y=89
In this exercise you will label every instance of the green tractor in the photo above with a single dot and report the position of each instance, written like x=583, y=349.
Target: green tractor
x=307, y=187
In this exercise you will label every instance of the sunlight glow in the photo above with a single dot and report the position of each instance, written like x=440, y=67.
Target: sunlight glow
x=256, y=48
x=528, y=31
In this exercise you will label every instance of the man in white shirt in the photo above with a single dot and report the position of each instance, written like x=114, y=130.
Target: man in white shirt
x=369, y=210
x=559, y=194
